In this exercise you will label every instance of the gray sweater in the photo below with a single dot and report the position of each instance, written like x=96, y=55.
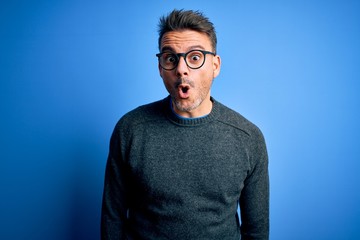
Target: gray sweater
x=169, y=177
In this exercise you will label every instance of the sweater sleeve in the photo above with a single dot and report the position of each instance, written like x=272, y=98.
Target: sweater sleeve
x=254, y=200
x=114, y=204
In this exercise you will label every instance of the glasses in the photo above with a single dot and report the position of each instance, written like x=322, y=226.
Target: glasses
x=194, y=59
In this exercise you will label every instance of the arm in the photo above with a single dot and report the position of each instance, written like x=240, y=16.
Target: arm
x=254, y=200
x=114, y=205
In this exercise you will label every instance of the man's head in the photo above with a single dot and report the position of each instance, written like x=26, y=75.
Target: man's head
x=179, y=20
x=187, y=61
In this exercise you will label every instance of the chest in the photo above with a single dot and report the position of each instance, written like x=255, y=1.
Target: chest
x=181, y=162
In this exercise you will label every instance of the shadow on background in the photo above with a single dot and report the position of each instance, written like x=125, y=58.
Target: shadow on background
x=86, y=191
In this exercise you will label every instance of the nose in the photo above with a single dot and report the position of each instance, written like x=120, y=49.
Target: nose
x=182, y=68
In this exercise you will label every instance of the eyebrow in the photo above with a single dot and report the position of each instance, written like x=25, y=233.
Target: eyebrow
x=168, y=48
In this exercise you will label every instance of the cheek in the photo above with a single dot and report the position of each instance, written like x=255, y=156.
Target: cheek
x=160, y=70
x=168, y=85
x=165, y=75
x=166, y=79
x=207, y=77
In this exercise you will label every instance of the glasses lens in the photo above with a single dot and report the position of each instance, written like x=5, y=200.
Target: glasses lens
x=195, y=59
x=168, y=60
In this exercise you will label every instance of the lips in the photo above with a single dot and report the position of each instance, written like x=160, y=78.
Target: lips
x=183, y=91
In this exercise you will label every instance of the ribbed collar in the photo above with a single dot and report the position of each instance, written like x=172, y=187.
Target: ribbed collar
x=191, y=122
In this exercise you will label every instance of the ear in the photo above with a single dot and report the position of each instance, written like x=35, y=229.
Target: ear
x=216, y=65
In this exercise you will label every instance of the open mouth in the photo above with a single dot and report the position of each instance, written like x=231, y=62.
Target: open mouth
x=185, y=89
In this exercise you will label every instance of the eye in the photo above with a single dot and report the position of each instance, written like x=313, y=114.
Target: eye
x=195, y=57
x=169, y=58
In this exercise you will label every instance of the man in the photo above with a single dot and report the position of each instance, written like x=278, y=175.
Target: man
x=178, y=168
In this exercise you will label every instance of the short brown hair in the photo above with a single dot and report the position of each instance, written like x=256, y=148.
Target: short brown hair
x=193, y=20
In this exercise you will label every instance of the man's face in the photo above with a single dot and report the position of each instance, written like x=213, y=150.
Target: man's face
x=189, y=88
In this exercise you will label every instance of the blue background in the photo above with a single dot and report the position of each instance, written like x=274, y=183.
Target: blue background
x=70, y=69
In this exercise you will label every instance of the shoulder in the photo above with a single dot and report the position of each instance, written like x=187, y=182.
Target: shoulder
x=146, y=113
x=234, y=119
x=250, y=133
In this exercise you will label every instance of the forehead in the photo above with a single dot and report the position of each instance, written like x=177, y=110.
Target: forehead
x=184, y=40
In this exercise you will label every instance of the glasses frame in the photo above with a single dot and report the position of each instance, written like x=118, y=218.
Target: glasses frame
x=184, y=55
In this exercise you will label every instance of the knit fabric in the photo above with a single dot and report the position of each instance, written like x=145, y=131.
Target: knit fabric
x=175, y=178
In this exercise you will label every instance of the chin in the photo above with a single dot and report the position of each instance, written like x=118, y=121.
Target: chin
x=187, y=106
